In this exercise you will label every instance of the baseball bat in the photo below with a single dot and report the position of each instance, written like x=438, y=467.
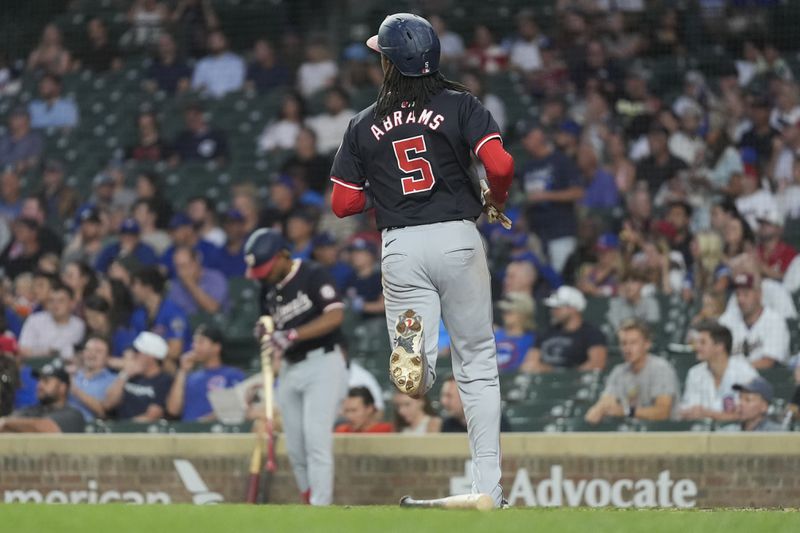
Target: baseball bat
x=481, y=502
x=255, y=473
x=268, y=376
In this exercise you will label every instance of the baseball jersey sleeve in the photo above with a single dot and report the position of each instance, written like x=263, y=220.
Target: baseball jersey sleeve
x=477, y=124
x=323, y=292
x=348, y=169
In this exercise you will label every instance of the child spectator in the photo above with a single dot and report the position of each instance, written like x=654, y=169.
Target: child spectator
x=516, y=338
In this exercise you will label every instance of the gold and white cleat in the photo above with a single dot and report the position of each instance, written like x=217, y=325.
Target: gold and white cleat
x=407, y=364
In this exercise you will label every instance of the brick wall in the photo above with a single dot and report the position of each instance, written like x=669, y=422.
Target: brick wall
x=367, y=475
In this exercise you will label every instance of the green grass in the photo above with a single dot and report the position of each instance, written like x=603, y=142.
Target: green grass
x=32, y=518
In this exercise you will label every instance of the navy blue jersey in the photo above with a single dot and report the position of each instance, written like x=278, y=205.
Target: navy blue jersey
x=305, y=294
x=417, y=161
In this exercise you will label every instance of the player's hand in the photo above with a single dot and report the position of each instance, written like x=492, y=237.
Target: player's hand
x=490, y=200
x=282, y=340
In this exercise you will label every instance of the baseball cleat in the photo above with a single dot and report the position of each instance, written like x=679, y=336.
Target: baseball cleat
x=407, y=364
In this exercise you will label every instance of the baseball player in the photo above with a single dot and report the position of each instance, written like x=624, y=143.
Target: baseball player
x=408, y=156
x=303, y=301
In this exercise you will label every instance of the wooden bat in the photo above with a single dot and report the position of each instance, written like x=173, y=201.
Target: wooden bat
x=481, y=502
x=255, y=473
x=267, y=373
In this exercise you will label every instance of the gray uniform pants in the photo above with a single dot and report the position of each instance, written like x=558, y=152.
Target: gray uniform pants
x=440, y=270
x=309, y=394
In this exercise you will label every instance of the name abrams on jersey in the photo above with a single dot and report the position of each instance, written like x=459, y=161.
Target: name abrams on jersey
x=398, y=118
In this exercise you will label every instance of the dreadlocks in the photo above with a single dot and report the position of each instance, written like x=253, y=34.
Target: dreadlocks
x=397, y=89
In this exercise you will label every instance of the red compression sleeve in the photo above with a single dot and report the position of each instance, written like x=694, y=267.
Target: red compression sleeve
x=346, y=201
x=499, y=168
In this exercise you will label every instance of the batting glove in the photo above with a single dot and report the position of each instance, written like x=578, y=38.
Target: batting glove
x=283, y=339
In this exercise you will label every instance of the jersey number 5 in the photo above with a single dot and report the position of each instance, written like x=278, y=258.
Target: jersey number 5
x=421, y=178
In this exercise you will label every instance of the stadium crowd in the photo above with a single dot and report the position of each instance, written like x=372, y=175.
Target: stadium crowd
x=632, y=186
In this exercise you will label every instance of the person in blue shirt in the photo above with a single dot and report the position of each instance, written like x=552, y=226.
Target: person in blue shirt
x=364, y=290
x=184, y=233
x=50, y=110
x=300, y=225
x=326, y=253
x=552, y=186
x=129, y=244
x=92, y=380
x=516, y=337
x=188, y=398
x=100, y=321
x=196, y=289
x=231, y=256
x=159, y=315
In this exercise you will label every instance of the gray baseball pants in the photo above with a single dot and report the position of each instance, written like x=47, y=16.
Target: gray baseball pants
x=440, y=270
x=309, y=394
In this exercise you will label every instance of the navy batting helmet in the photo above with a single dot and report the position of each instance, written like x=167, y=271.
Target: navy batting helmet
x=261, y=251
x=410, y=43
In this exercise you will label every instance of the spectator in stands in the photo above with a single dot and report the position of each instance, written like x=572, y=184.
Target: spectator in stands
x=99, y=54
x=712, y=305
x=282, y=133
x=415, y=416
x=361, y=414
x=300, y=226
x=10, y=194
x=140, y=391
x=43, y=284
x=146, y=215
x=220, y=72
x=754, y=399
x=20, y=302
x=524, y=47
x=51, y=110
x=51, y=414
x=318, y=71
x=455, y=420
x=364, y=290
x=231, y=255
x=147, y=19
x=760, y=135
x=552, y=186
x=572, y=343
x=199, y=142
x=111, y=324
x=129, y=244
x=196, y=289
x=60, y=200
x=20, y=147
x=203, y=212
x=150, y=186
x=159, y=314
x=188, y=397
x=325, y=251
x=168, y=72
x=195, y=19
x=759, y=333
x=87, y=243
x=709, y=384
x=266, y=72
x=679, y=217
x=600, y=185
x=82, y=279
x=484, y=54
x=244, y=198
x=330, y=125
x=598, y=69
x=686, y=143
x=50, y=55
x=516, y=338
x=358, y=376
x=307, y=168
x=738, y=237
x=10, y=379
x=23, y=252
x=149, y=146
x=709, y=271
x=774, y=253
x=644, y=387
x=183, y=233
x=451, y=43
x=602, y=277
x=633, y=303
x=92, y=379
x=660, y=166
x=55, y=331
x=476, y=86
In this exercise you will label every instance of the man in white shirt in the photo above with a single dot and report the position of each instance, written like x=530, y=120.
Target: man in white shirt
x=53, y=332
x=331, y=125
x=220, y=72
x=709, y=389
x=774, y=294
x=759, y=333
x=754, y=199
x=524, y=54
